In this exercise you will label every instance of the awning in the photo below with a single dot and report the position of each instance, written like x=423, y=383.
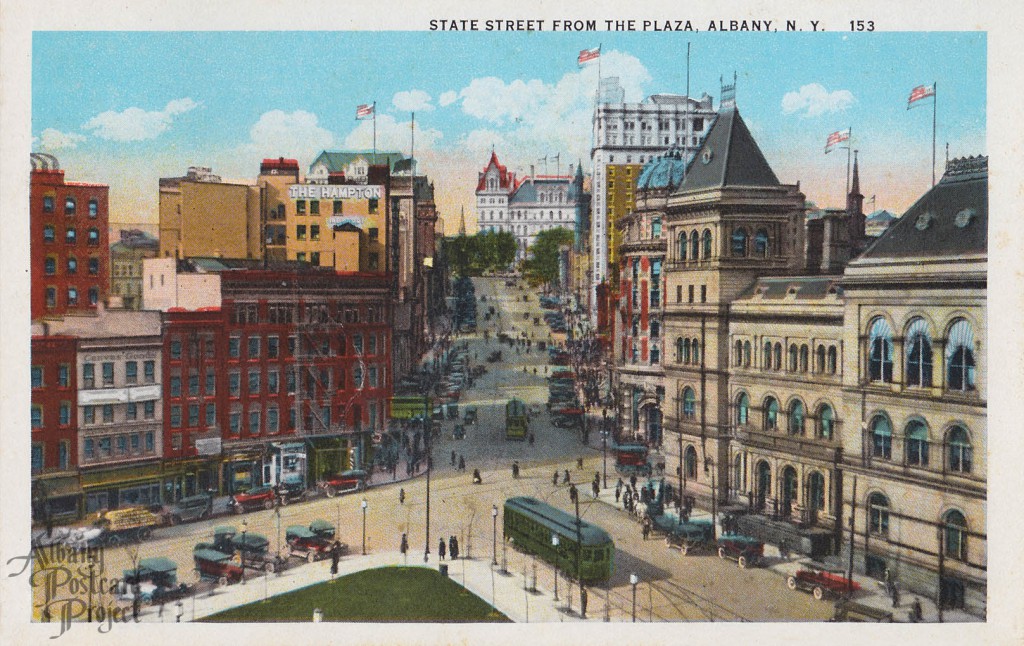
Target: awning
x=61, y=486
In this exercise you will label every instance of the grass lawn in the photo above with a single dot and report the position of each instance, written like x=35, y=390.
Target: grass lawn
x=389, y=594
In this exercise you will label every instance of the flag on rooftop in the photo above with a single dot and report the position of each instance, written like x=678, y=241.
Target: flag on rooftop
x=920, y=92
x=835, y=139
x=364, y=111
x=587, y=55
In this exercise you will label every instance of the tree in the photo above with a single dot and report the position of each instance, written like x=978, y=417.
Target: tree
x=485, y=251
x=542, y=266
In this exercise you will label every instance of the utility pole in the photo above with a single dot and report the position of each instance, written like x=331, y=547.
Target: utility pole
x=853, y=516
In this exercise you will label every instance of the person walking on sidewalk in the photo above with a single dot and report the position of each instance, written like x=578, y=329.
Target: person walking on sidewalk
x=335, y=557
x=646, y=529
x=462, y=463
x=618, y=493
x=453, y=458
x=566, y=479
x=596, y=488
x=583, y=602
x=401, y=496
x=554, y=478
x=440, y=549
x=453, y=547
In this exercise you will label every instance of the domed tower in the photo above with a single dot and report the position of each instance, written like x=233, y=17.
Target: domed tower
x=638, y=346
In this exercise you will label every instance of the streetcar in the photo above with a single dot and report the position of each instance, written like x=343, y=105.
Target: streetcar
x=585, y=551
x=516, y=420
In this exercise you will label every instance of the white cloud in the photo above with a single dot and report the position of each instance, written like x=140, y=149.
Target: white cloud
x=412, y=101
x=448, y=98
x=52, y=139
x=289, y=133
x=814, y=100
x=136, y=124
x=391, y=135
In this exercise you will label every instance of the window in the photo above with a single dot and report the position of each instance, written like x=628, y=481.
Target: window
x=235, y=422
x=149, y=409
x=880, y=351
x=72, y=296
x=94, y=266
x=919, y=354
x=655, y=354
x=50, y=266
x=796, y=418
x=832, y=360
x=94, y=208
x=690, y=293
x=694, y=245
x=955, y=535
x=300, y=232
x=193, y=415
x=193, y=384
x=149, y=371
x=372, y=376
x=254, y=422
x=272, y=420
x=51, y=297
x=254, y=382
x=959, y=450
x=917, y=443
x=695, y=351
x=211, y=414
x=70, y=236
x=69, y=206
x=742, y=409
x=314, y=230
x=357, y=376
x=819, y=365
x=136, y=443
x=175, y=385
x=37, y=417
x=738, y=357
x=131, y=411
x=108, y=374
x=707, y=245
x=761, y=243
x=960, y=357
x=104, y=447
x=272, y=382
x=273, y=346
x=374, y=261
x=63, y=375
x=357, y=344
x=771, y=414
x=373, y=233
x=373, y=204
x=108, y=413
x=131, y=372
x=778, y=356
x=681, y=245
x=746, y=354
x=176, y=349
x=254, y=347
x=176, y=416
x=234, y=347
x=47, y=204
x=48, y=233
x=739, y=242
x=703, y=293
x=150, y=445
x=314, y=208
x=37, y=457
x=881, y=438
x=90, y=448
x=371, y=344
x=826, y=422
x=94, y=236
x=300, y=207
x=94, y=295
x=690, y=462
x=89, y=414
x=234, y=384
x=211, y=381
x=176, y=441
x=656, y=228
x=337, y=209
x=37, y=376
x=878, y=514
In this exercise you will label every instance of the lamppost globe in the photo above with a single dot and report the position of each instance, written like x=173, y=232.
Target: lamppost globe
x=633, y=581
x=494, y=542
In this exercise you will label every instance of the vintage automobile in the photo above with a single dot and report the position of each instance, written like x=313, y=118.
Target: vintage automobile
x=351, y=480
x=290, y=489
x=156, y=579
x=851, y=611
x=213, y=565
x=690, y=536
x=304, y=543
x=470, y=417
x=253, y=548
x=567, y=418
x=322, y=528
x=255, y=498
x=188, y=509
x=820, y=581
x=453, y=410
x=459, y=433
x=742, y=549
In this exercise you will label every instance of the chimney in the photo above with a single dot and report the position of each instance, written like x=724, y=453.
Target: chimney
x=531, y=172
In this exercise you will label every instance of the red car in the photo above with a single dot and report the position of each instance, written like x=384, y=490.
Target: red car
x=256, y=498
x=306, y=544
x=351, y=480
x=820, y=581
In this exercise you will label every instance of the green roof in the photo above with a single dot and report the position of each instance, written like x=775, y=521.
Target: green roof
x=336, y=161
x=158, y=564
x=558, y=521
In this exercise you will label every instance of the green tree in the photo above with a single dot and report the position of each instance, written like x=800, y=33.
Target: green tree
x=542, y=265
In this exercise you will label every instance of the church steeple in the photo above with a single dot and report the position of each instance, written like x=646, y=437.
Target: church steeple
x=855, y=204
x=462, y=222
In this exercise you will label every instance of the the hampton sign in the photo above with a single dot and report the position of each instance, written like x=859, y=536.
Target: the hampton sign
x=335, y=192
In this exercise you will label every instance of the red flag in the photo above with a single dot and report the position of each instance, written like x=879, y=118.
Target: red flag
x=365, y=110
x=587, y=55
x=920, y=92
x=835, y=139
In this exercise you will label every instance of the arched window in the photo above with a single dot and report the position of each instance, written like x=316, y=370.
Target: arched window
x=686, y=351
x=881, y=438
x=832, y=361
x=696, y=351
x=707, y=244
x=694, y=246
x=742, y=409
x=746, y=353
x=878, y=514
x=739, y=241
x=826, y=422
x=761, y=243
x=796, y=418
x=819, y=365
x=919, y=354
x=803, y=358
x=778, y=356
x=792, y=357
x=959, y=450
x=682, y=245
x=917, y=443
x=955, y=530
x=739, y=352
x=880, y=351
x=771, y=414
x=960, y=356
x=767, y=358
x=689, y=403
x=691, y=462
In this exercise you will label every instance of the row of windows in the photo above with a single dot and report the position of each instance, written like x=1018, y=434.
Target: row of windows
x=71, y=235
x=118, y=446
x=71, y=266
x=690, y=292
x=131, y=412
x=131, y=373
x=63, y=376
x=209, y=415
x=373, y=205
x=70, y=205
x=918, y=446
x=39, y=456
x=284, y=313
x=324, y=346
x=71, y=298
x=823, y=420
x=918, y=354
x=826, y=360
x=64, y=415
x=954, y=533
x=696, y=124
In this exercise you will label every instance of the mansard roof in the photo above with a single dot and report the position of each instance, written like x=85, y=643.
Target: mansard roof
x=506, y=180
x=728, y=156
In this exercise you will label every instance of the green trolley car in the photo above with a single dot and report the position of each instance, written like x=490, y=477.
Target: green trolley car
x=586, y=552
x=516, y=420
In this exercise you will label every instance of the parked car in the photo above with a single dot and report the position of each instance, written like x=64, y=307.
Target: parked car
x=322, y=528
x=306, y=544
x=124, y=525
x=255, y=498
x=290, y=490
x=470, y=416
x=213, y=565
x=820, y=581
x=742, y=549
x=155, y=579
x=459, y=433
x=690, y=536
x=351, y=480
x=188, y=509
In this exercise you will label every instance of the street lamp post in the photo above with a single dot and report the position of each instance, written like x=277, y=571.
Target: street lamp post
x=426, y=440
x=494, y=542
x=179, y=610
x=363, y=505
x=604, y=445
x=554, y=543
x=633, y=581
x=241, y=552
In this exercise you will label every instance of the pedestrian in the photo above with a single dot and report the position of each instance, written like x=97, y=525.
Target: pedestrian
x=462, y=463
x=632, y=481
x=404, y=545
x=453, y=547
x=597, y=476
x=335, y=557
x=583, y=602
x=579, y=463
x=554, y=478
x=440, y=549
x=453, y=458
x=619, y=484
x=618, y=492
x=573, y=493
x=137, y=602
x=401, y=496
x=887, y=579
x=596, y=489
x=566, y=480
x=160, y=611
x=646, y=529
x=895, y=595
x=531, y=439
x=916, y=614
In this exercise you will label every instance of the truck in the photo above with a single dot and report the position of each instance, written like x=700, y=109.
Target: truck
x=124, y=525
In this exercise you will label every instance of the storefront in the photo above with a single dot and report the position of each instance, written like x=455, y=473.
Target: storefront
x=329, y=456
x=57, y=498
x=121, y=487
x=183, y=478
x=285, y=462
x=243, y=469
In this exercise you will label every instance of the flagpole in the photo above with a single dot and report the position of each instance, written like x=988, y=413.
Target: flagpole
x=849, y=148
x=686, y=121
x=374, y=132
x=935, y=104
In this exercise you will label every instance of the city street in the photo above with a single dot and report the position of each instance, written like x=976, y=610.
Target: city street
x=672, y=587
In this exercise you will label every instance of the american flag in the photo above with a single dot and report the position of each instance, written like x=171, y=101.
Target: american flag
x=835, y=139
x=363, y=111
x=920, y=92
x=587, y=55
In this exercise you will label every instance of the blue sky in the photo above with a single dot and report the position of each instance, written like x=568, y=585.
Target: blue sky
x=126, y=108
